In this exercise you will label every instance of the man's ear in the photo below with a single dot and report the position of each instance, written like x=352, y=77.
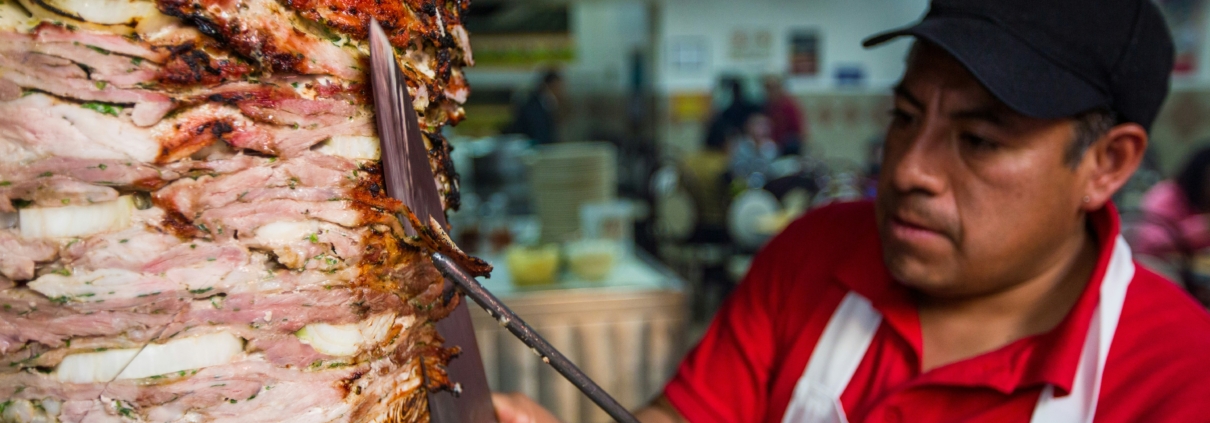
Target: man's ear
x=1110, y=162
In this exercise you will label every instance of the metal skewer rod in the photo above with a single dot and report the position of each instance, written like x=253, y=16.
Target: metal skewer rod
x=527, y=335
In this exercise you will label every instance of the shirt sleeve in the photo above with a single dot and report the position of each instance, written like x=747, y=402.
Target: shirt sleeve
x=725, y=377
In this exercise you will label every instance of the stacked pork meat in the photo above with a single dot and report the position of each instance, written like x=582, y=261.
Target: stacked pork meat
x=192, y=222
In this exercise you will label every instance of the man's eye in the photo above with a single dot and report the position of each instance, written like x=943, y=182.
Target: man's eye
x=978, y=142
x=899, y=116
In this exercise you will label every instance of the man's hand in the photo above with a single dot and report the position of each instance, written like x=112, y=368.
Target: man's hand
x=518, y=408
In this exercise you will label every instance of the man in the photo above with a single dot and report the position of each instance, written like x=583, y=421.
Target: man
x=538, y=117
x=987, y=282
x=789, y=125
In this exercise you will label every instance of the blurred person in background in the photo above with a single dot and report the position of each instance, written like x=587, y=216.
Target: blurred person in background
x=789, y=124
x=730, y=121
x=537, y=117
x=1175, y=223
x=988, y=280
x=707, y=171
x=752, y=150
x=743, y=131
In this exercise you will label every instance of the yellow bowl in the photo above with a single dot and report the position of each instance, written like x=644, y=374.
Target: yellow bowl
x=592, y=259
x=532, y=266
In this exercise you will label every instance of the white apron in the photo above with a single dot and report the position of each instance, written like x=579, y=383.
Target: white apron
x=851, y=329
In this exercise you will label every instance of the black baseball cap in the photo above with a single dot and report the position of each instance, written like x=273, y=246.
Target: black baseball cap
x=1057, y=58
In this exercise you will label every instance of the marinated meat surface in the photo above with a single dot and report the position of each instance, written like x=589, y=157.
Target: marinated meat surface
x=192, y=221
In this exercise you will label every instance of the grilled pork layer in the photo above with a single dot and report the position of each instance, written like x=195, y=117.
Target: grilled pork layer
x=193, y=225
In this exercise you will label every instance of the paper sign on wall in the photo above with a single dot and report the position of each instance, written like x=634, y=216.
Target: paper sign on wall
x=687, y=55
x=804, y=53
x=751, y=44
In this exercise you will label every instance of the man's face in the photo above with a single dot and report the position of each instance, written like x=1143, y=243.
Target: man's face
x=973, y=197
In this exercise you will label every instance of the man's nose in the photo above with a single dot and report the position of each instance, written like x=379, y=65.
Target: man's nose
x=920, y=165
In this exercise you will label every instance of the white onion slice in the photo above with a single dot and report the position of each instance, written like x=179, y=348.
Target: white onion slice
x=345, y=340
x=376, y=328
x=157, y=359
x=13, y=17
x=277, y=234
x=337, y=340
x=52, y=406
x=76, y=221
x=106, y=12
x=42, y=13
x=352, y=147
x=92, y=367
x=20, y=410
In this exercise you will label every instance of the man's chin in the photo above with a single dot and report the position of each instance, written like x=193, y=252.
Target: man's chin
x=927, y=278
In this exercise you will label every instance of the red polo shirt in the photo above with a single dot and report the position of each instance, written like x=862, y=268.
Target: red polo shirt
x=746, y=367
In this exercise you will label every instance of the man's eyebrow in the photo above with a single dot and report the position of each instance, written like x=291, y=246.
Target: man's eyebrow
x=989, y=114
x=902, y=92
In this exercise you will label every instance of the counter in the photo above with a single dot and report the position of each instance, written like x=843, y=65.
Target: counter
x=626, y=332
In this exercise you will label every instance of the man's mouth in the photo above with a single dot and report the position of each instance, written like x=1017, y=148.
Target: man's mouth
x=913, y=231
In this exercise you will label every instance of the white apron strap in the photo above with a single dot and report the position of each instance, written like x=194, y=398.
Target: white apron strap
x=1080, y=406
x=836, y=357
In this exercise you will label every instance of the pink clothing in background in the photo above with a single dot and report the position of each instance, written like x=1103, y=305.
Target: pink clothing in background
x=1170, y=223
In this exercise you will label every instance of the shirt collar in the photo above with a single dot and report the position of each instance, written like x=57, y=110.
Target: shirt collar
x=1047, y=358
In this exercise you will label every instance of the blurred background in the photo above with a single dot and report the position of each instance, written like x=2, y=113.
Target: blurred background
x=622, y=161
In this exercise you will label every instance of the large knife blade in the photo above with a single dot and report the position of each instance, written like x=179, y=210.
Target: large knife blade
x=409, y=179
x=400, y=126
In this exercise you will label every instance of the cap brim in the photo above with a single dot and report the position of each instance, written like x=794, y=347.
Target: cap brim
x=1011, y=70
